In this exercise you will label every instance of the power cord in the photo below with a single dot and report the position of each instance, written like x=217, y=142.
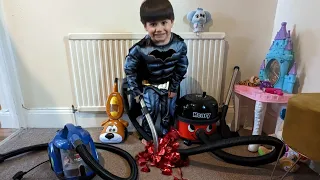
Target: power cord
x=19, y=175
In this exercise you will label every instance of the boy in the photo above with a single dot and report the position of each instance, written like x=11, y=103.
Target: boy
x=159, y=60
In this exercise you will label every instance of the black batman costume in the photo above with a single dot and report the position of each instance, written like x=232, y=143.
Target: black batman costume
x=162, y=69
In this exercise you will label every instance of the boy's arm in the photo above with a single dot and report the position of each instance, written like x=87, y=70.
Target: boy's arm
x=180, y=69
x=130, y=68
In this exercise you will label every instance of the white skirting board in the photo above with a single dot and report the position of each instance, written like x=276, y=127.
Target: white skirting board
x=57, y=118
x=51, y=118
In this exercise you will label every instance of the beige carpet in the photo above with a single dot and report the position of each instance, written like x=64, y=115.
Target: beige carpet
x=203, y=166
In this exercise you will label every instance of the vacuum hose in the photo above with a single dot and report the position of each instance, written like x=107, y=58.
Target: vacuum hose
x=87, y=158
x=247, y=161
x=38, y=147
x=97, y=168
x=216, y=147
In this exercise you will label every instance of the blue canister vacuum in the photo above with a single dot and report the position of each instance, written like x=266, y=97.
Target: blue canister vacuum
x=73, y=155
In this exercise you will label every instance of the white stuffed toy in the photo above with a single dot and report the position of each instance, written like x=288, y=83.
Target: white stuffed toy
x=199, y=18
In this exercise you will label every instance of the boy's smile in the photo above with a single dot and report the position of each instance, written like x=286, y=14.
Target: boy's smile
x=159, y=31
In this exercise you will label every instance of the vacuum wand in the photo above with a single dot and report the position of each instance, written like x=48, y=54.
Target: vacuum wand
x=232, y=82
x=151, y=125
x=225, y=130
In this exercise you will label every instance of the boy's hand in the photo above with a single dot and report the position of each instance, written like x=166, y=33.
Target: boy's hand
x=171, y=94
x=137, y=98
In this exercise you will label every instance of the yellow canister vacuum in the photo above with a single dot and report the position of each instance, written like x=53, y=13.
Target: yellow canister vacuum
x=114, y=105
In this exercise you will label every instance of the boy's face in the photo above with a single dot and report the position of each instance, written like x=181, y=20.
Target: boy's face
x=159, y=31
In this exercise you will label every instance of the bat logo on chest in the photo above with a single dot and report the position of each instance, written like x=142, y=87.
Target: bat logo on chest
x=162, y=54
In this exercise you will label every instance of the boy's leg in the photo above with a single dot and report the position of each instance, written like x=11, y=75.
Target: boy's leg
x=168, y=109
x=151, y=99
x=173, y=106
x=165, y=111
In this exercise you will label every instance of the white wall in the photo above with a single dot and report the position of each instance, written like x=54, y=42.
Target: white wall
x=38, y=29
x=9, y=86
x=301, y=16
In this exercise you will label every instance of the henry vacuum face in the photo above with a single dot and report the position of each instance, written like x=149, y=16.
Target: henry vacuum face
x=194, y=112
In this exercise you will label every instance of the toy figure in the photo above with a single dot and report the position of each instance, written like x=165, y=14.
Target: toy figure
x=254, y=81
x=265, y=84
x=199, y=18
x=156, y=65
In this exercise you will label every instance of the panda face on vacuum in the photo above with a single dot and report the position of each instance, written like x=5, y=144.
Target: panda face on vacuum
x=113, y=131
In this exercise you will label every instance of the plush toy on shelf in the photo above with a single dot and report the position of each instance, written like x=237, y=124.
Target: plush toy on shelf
x=114, y=128
x=198, y=18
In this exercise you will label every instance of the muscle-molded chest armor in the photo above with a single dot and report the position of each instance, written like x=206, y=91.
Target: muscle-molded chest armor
x=158, y=62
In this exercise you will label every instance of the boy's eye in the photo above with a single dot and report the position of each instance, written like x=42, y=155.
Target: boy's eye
x=153, y=24
x=164, y=22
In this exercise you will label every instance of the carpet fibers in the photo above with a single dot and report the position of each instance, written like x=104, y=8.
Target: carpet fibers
x=202, y=166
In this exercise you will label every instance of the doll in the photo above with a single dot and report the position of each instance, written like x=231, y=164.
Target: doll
x=199, y=18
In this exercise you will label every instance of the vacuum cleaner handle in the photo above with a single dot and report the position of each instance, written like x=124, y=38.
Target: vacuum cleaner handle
x=232, y=82
x=151, y=125
x=225, y=130
x=67, y=128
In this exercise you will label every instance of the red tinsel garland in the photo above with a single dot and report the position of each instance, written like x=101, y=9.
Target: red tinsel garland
x=166, y=158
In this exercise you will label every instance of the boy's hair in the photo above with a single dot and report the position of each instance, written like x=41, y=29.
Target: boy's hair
x=156, y=10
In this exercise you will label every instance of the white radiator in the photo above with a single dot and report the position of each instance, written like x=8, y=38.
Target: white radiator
x=97, y=59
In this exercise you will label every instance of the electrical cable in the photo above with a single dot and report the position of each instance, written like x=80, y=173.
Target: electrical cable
x=19, y=175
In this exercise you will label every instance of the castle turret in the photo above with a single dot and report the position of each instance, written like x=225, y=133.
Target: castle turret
x=289, y=46
x=281, y=45
x=293, y=70
x=290, y=79
x=282, y=33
